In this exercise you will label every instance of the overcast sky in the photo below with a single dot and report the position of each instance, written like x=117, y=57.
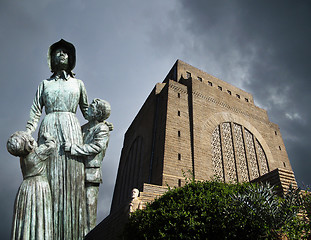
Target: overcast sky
x=125, y=47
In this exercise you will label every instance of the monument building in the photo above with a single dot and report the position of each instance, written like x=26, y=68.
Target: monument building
x=194, y=124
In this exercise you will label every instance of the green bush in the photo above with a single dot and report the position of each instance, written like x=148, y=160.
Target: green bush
x=215, y=210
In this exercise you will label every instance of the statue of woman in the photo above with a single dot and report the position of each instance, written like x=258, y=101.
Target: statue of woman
x=60, y=95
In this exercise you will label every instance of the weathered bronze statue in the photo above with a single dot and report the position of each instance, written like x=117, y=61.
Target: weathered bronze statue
x=65, y=203
x=60, y=95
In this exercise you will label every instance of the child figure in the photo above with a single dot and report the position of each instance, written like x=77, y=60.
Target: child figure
x=95, y=138
x=33, y=204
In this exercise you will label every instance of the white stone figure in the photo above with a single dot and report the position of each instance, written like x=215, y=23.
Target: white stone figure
x=135, y=203
x=96, y=137
x=60, y=96
x=32, y=217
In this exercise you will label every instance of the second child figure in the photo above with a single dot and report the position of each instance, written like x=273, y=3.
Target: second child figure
x=95, y=138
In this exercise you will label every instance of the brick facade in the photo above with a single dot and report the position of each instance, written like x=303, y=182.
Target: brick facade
x=194, y=123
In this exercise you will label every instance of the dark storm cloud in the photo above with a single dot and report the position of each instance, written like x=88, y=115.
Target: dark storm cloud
x=270, y=41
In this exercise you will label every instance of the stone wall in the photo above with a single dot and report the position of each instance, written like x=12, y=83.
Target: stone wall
x=280, y=178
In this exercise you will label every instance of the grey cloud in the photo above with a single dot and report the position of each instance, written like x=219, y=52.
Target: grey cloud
x=274, y=38
x=125, y=47
x=114, y=59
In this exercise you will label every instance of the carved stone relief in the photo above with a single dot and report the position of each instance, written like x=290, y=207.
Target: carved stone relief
x=232, y=146
x=228, y=153
x=217, y=155
x=240, y=152
x=262, y=159
x=251, y=154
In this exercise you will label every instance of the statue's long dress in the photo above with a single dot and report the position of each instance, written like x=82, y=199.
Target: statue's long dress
x=32, y=218
x=61, y=97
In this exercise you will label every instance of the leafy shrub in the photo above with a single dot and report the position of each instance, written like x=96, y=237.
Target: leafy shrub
x=216, y=210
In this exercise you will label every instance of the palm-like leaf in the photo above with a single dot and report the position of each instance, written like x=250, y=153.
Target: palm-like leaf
x=267, y=208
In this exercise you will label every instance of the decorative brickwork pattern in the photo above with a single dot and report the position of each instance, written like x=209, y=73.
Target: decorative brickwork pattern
x=217, y=155
x=240, y=152
x=251, y=154
x=262, y=159
x=228, y=152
